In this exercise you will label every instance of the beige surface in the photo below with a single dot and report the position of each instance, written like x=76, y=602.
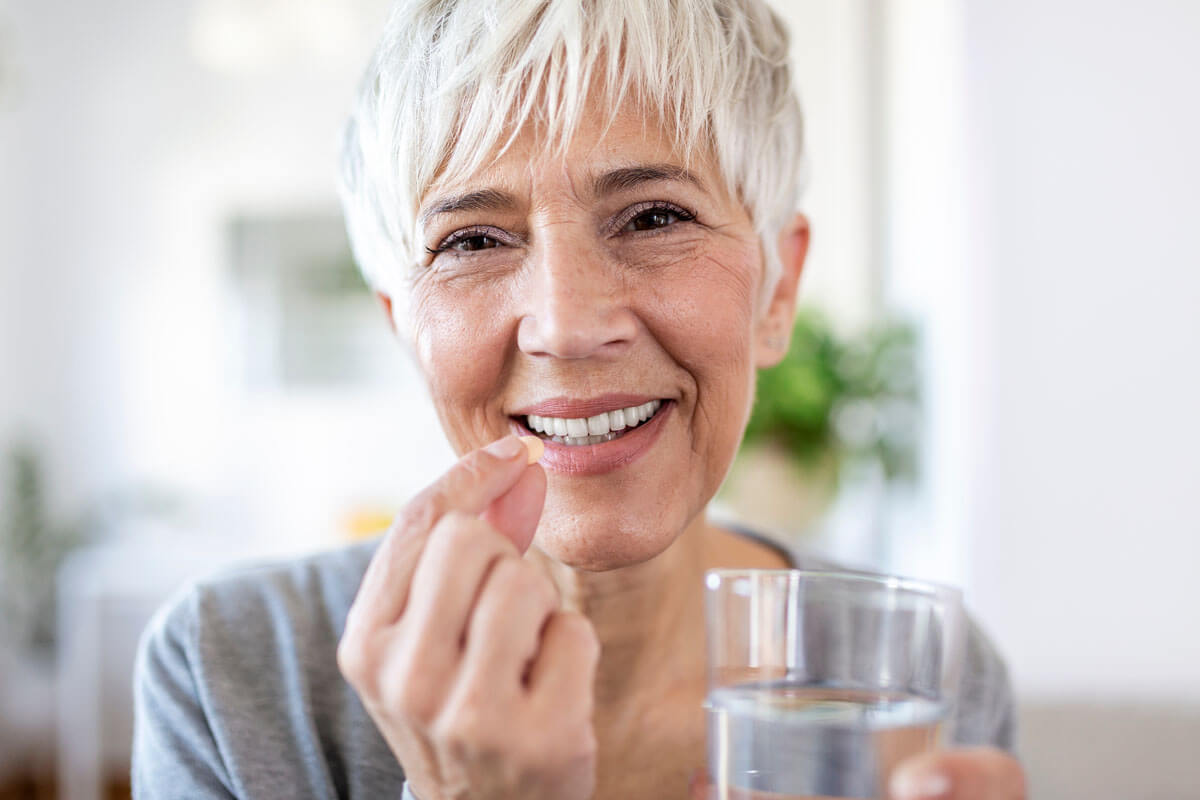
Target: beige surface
x=1090, y=752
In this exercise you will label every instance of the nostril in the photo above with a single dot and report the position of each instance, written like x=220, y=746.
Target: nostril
x=579, y=335
x=576, y=304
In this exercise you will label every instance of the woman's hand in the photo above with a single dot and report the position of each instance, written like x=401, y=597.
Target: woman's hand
x=981, y=773
x=480, y=685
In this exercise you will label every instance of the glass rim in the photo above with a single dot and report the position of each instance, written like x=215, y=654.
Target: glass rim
x=890, y=582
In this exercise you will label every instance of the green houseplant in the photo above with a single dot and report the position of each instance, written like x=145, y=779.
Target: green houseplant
x=835, y=404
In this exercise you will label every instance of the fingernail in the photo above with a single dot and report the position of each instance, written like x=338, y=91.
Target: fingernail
x=508, y=447
x=919, y=785
x=535, y=447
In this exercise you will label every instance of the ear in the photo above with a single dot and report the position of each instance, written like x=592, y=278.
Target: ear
x=773, y=333
x=386, y=301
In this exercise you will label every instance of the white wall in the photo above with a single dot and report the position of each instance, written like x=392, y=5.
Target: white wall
x=832, y=62
x=132, y=138
x=127, y=149
x=923, y=136
x=1084, y=324
x=8, y=221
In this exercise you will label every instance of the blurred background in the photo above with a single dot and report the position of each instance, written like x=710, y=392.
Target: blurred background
x=995, y=379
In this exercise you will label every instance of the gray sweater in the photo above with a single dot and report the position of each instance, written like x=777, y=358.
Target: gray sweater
x=238, y=693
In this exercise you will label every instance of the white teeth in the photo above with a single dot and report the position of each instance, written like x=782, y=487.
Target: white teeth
x=578, y=440
x=592, y=430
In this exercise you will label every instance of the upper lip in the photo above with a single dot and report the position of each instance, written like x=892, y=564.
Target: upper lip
x=578, y=408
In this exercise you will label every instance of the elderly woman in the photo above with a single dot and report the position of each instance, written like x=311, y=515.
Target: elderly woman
x=580, y=216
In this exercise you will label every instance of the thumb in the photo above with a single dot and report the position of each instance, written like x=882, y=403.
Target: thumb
x=978, y=773
x=516, y=512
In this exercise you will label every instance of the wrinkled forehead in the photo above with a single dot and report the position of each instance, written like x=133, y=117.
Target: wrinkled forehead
x=611, y=148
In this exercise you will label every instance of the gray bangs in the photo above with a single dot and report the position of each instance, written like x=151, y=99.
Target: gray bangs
x=453, y=83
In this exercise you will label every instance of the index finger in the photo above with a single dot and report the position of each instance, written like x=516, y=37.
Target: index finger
x=470, y=486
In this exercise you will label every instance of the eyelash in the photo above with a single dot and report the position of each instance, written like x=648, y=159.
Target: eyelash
x=477, y=231
x=641, y=209
x=632, y=213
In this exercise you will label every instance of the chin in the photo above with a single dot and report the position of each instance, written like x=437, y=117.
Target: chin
x=598, y=542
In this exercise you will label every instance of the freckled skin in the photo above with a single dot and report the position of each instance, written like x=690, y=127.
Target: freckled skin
x=575, y=308
x=581, y=295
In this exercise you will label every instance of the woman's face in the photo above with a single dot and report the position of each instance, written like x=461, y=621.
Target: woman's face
x=578, y=289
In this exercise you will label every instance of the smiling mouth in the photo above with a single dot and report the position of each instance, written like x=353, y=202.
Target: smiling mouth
x=603, y=427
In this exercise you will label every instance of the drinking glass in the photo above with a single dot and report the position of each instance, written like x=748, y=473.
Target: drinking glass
x=820, y=683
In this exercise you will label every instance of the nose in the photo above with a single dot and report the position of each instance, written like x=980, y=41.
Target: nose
x=576, y=304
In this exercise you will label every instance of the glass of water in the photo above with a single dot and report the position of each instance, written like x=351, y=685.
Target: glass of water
x=820, y=683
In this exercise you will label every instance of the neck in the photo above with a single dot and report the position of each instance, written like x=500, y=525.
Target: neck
x=648, y=616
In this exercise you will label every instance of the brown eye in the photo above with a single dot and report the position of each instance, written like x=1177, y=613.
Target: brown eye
x=654, y=218
x=474, y=242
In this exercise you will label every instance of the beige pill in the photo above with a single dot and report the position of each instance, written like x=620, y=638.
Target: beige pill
x=535, y=447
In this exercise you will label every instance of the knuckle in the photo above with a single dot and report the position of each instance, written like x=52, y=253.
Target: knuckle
x=513, y=577
x=357, y=659
x=558, y=747
x=507, y=574
x=579, y=633
x=542, y=587
x=580, y=744
x=456, y=529
x=531, y=578
x=413, y=698
x=420, y=515
x=463, y=729
x=534, y=753
x=526, y=579
x=469, y=471
x=351, y=659
x=458, y=533
x=478, y=463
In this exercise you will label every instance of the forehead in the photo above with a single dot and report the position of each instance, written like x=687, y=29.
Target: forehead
x=605, y=153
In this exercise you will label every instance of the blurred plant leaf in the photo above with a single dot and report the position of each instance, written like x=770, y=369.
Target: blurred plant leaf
x=855, y=398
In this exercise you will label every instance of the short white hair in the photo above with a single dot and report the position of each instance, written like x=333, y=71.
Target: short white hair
x=450, y=78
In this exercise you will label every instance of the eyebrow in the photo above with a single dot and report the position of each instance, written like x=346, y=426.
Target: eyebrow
x=625, y=178
x=481, y=200
x=611, y=182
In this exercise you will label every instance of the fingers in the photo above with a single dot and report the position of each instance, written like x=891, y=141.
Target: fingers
x=982, y=773
x=460, y=553
x=470, y=486
x=566, y=665
x=506, y=624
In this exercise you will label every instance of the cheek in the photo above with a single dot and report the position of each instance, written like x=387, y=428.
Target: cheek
x=460, y=338
x=706, y=324
x=706, y=321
